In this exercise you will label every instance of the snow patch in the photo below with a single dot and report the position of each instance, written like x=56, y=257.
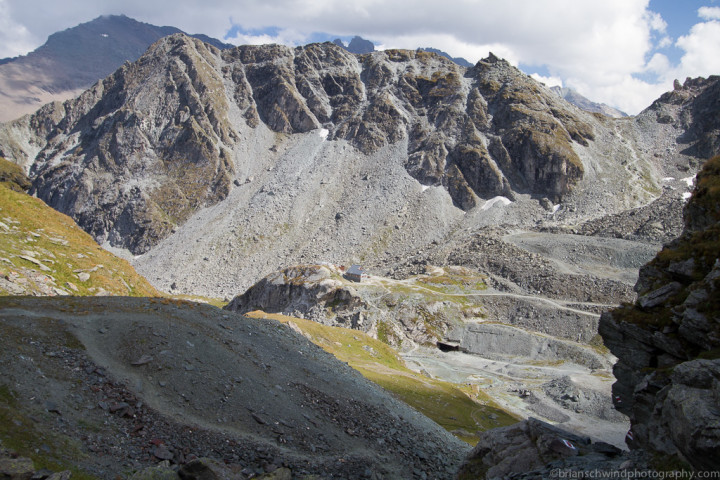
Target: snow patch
x=323, y=132
x=425, y=187
x=689, y=180
x=499, y=200
x=686, y=195
x=668, y=179
x=555, y=208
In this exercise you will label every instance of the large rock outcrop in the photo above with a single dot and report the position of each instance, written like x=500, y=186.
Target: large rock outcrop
x=401, y=313
x=533, y=449
x=667, y=343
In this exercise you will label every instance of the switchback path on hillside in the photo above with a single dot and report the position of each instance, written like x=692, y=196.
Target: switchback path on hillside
x=559, y=304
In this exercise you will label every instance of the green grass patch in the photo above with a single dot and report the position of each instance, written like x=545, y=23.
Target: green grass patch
x=12, y=176
x=215, y=302
x=464, y=411
x=61, y=252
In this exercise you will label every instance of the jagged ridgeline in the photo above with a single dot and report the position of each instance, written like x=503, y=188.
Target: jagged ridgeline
x=138, y=153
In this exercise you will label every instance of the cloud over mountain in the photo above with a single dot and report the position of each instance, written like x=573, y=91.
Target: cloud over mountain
x=614, y=51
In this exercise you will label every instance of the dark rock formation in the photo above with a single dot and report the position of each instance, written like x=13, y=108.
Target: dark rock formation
x=132, y=169
x=667, y=344
x=533, y=449
x=357, y=45
x=319, y=293
x=700, y=118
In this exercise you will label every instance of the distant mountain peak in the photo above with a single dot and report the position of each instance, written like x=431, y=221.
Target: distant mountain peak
x=73, y=59
x=588, y=105
x=357, y=45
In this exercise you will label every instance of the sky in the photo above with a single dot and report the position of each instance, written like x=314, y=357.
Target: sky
x=625, y=53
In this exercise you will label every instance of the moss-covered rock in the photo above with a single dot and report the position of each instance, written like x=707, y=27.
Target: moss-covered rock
x=13, y=177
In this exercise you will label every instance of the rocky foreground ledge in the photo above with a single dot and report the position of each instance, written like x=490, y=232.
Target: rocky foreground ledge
x=668, y=342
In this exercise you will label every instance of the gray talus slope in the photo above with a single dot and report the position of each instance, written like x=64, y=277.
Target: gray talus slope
x=126, y=375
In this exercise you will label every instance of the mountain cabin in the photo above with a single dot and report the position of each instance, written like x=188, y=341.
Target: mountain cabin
x=355, y=273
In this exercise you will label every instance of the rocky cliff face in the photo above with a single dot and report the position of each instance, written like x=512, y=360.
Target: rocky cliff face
x=694, y=107
x=139, y=152
x=667, y=343
x=127, y=163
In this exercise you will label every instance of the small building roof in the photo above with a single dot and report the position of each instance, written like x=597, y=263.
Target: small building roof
x=355, y=270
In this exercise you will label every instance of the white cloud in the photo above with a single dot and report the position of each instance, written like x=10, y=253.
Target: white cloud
x=283, y=37
x=548, y=81
x=701, y=47
x=656, y=22
x=15, y=38
x=658, y=64
x=596, y=47
x=709, y=13
x=665, y=42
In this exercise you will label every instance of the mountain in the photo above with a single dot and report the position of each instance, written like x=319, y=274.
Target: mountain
x=357, y=45
x=494, y=218
x=255, y=150
x=588, y=105
x=72, y=60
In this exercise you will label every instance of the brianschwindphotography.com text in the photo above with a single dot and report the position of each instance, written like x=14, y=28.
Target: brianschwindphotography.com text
x=562, y=473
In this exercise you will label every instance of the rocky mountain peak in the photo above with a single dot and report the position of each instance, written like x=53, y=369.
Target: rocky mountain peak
x=169, y=125
x=160, y=125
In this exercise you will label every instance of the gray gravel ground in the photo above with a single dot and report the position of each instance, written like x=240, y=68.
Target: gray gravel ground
x=125, y=383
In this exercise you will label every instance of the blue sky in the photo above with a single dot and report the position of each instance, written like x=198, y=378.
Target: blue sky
x=621, y=52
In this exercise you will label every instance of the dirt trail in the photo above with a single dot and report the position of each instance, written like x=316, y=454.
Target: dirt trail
x=125, y=373
x=559, y=304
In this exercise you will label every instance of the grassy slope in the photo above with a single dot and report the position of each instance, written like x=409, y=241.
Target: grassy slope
x=30, y=228
x=460, y=410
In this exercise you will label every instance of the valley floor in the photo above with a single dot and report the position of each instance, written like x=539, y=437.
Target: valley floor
x=518, y=386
